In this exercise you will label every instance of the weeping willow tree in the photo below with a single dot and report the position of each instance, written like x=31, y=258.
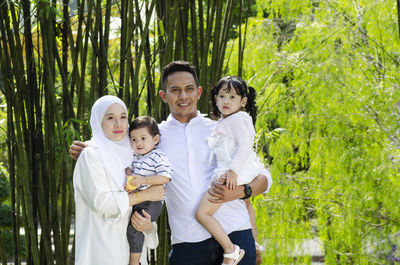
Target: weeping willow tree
x=327, y=73
x=56, y=59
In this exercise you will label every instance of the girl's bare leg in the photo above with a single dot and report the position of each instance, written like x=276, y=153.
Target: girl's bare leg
x=204, y=215
x=252, y=215
x=253, y=222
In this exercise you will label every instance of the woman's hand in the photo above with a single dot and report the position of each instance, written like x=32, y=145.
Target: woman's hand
x=141, y=223
x=76, y=148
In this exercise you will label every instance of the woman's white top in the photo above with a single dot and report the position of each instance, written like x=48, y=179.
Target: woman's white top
x=102, y=214
x=232, y=144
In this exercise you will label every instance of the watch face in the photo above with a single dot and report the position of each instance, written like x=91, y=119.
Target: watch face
x=247, y=191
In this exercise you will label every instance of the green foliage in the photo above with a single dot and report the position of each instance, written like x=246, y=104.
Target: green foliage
x=5, y=216
x=332, y=84
x=8, y=240
x=4, y=185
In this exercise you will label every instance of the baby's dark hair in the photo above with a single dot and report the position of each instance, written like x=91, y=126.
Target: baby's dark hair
x=241, y=89
x=145, y=122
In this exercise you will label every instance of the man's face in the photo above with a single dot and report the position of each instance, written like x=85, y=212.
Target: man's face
x=182, y=95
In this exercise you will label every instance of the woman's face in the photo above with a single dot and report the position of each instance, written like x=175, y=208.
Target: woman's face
x=115, y=123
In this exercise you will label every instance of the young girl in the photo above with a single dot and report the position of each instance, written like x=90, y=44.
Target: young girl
x=150, y=167
x=231, y=142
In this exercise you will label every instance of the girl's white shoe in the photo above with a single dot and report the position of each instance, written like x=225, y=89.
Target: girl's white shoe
x=259, y=248
x=236, y=255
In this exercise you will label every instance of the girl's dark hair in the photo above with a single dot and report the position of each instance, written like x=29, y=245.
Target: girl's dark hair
x=145, y=122
x=241, y=89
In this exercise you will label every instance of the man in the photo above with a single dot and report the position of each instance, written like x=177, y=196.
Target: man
x=183, y=140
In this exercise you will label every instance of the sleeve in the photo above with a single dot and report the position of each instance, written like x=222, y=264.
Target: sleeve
x=266, y=173
x=241, y=129
x=91, y=181
x=163, y=166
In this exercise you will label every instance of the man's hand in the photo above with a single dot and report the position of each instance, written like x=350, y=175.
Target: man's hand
x=76, y=148
x=141, y=223
x=221, y=193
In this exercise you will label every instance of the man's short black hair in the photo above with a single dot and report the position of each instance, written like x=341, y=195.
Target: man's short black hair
x=177, y=66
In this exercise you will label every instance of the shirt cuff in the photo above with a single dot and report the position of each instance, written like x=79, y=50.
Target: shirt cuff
x=266, y=173
x=122, y=200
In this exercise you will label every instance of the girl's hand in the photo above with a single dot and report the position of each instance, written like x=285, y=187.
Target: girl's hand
x=231, y=179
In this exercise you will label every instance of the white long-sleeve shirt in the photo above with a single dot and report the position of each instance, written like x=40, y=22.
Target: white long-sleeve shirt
x=185, y=145
x=238, y=127
x=102, y=214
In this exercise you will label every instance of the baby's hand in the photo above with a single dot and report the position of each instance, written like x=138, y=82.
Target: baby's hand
x=231, y=179
x=128, y=171
x=136, y=180
x=126, y=188
x=129, y=183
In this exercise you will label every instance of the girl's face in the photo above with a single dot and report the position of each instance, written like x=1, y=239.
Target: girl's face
x=115, y=123
x=229, y=102
x=142, y=141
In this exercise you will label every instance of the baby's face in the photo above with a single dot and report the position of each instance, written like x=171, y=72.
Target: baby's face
x=142, y=141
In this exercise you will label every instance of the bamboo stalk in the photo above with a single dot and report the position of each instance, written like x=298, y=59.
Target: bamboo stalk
x=9, y=94
x=123, y=49
x=42, y=181
x=84, y=102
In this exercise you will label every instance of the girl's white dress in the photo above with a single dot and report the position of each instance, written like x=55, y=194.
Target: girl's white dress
x=232, y=144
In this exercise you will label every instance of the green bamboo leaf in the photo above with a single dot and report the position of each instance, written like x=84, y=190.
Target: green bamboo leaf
x=161, y=27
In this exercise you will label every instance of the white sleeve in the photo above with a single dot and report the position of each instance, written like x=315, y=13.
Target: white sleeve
x=91, y=181
x=265, y=172
x=242, y=131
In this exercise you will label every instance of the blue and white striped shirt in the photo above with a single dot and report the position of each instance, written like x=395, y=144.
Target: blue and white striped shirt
x=151, y=164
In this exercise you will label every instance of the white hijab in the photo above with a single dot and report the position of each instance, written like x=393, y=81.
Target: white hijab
x=115, y=156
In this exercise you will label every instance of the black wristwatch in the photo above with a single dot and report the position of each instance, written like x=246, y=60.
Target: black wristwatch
x=247, y=191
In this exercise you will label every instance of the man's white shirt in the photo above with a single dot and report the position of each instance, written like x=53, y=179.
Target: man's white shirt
x=185, y=145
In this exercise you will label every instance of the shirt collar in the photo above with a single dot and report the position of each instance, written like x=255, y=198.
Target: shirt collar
x=199, y=117
x=139, y=156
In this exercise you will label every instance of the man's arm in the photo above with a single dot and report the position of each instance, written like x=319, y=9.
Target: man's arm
x=221, y=193
x=76, y=148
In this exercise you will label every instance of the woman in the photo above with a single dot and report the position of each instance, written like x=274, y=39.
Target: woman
x=102, y=205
